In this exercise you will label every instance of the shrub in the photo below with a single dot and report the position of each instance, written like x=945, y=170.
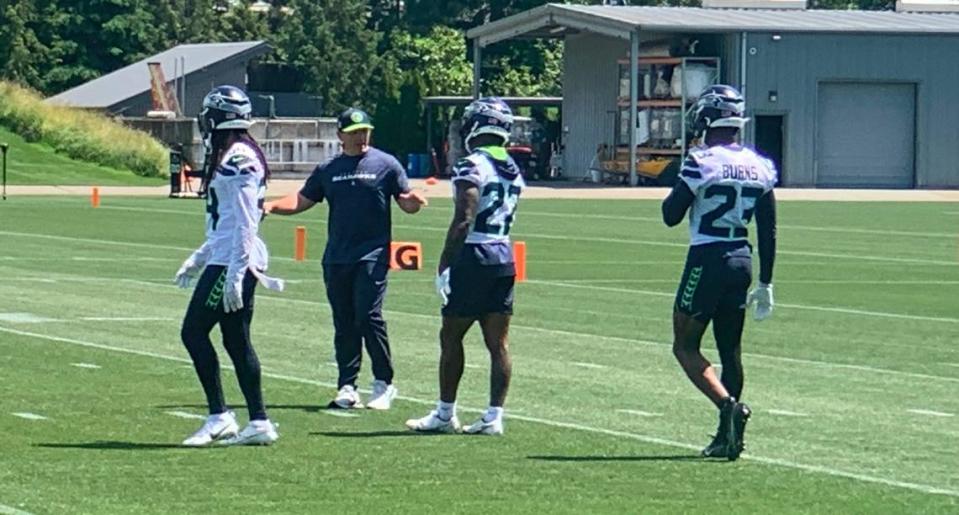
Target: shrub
x=80, y=134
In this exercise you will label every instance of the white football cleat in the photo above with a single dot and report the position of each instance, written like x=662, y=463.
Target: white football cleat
x=257, y=432
x=482, y=427
x=217, y=427
x=347, y=398
x=432, y=423
x=383, y=395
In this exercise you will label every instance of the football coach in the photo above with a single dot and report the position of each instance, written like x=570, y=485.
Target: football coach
x=358, y=185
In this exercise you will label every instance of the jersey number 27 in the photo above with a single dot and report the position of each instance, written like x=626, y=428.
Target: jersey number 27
x=495, y=220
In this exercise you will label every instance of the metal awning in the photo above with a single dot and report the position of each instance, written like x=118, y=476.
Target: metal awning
x=558, y=20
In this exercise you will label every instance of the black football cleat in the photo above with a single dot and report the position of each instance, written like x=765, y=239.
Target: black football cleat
x=716, y=448
x=736, y=429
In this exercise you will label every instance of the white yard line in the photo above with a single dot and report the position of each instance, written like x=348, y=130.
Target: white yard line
x=551, y=423
x=579, y=240
x=85, y=365
x=588, y=365
x=785, y=413
x=850, y=311
x=184, y=414
x=663, y=345
x=10, y=510
x=336, y=413
x=31, y=318
x=931, y=413
x=639, y=413
x=24, y=318
x=29, y=416
x=848, y=230
x=126, y=319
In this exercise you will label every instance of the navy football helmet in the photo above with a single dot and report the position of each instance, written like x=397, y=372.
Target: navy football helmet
x=487, y=115
x=718, y=105
x=225, y=107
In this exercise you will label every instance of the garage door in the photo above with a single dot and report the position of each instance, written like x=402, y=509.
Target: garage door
x=866, y=135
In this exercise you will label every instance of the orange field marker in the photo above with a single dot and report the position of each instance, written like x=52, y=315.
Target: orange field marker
x=519, y=255
x=431, y=180
x=95, y=197
x=299, y=244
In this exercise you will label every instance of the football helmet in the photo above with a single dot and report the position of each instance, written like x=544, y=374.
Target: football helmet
x=718, y=105
x=487, y=115
x=225, y=107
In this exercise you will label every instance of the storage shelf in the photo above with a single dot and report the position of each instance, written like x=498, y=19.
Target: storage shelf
x=670, y=60
x=666, y=102
x=649, y=151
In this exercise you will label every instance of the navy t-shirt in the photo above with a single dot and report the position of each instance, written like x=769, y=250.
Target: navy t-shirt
x=358, y=189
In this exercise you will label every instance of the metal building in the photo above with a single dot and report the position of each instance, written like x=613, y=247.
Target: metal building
x=838, y=98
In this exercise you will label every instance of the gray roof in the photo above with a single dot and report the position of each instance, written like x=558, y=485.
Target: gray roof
x=134, y=79
x=549, y=21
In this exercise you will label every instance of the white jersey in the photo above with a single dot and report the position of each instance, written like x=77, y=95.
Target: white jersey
x=234, y=207
x=500, y=184
x=727, y=180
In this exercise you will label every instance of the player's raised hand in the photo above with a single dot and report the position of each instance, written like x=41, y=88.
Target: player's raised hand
x=762, y=296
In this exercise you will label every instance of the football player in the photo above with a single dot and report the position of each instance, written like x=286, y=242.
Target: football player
x=476, y=270
x=722, y=185
x=229, y=264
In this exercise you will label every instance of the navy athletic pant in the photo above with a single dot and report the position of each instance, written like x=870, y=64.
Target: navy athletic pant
x=206, y=311
x=356, y=293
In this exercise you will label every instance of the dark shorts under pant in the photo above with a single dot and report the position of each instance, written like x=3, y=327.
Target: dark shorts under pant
x=478, y=290
x=356, y=292
x=716, y=278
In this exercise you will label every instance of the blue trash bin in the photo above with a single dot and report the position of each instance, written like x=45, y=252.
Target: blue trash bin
x=413, y=165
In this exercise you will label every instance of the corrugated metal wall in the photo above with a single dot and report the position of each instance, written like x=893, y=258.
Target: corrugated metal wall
x=590, y=88
x=795, y=65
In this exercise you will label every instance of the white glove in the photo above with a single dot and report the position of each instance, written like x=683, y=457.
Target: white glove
x=187, y=272
x=233, y=296
x=762, y=296
x=443, y=285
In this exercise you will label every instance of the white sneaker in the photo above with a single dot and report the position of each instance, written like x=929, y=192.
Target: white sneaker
x=482, y=427
x=217, y=427
x=257, y=432
x=383, y=395
x=432, y=423
x=347, y=398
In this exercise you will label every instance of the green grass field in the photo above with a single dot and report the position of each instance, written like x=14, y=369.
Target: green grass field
x=38, y=164
x=853, y=381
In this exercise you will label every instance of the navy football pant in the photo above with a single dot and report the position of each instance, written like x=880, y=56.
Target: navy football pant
x=356, y=293
x=204, y=312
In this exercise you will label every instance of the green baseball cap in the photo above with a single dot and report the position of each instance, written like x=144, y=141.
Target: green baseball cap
x=353, y=120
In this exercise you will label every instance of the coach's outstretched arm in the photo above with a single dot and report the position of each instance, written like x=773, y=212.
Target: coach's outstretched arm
x=288, y=205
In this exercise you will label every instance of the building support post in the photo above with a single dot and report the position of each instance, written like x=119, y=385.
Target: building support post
x=477, y=66
x=633, y=101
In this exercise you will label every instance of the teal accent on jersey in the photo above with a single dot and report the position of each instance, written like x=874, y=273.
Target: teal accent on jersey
x=496, y=152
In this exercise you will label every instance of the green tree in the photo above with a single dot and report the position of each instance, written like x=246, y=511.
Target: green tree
x=416, y=66
x=328, y=40
x=30, y=43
